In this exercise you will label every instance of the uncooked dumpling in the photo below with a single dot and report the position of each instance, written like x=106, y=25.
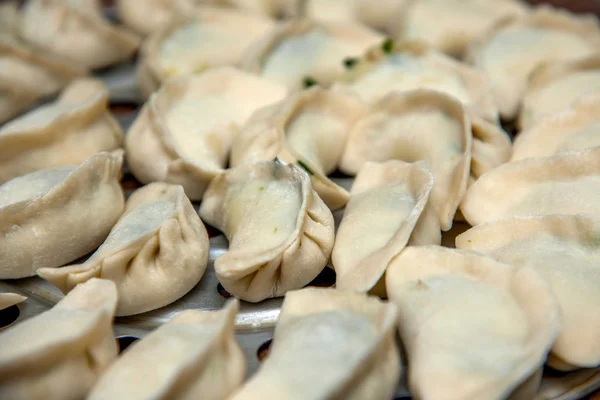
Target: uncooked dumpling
x=389, y=209
x=54, y=216
x=472, y=327
x=564, y=250
x=59, y=354
x=280, y=232
x=146, y=16
x=193, y=356
x=65, y=132
x=329, y=344
x=183, y=133
x=155, y=254
x=300, y=53
x=492, y=146
x=10, y=299
x=511, y=51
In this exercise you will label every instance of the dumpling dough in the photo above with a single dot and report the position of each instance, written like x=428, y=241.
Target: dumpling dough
x=59, y=354
x=156, y=252
x=309, y=128
x=183, y=133
x=301, y=50
x=472, y=327
x=207, y=37
x=280, y=232
x=70, y=31
x=65, y=132
x=567, y=183
x=512, y=50
x=565, y=251
x=10, y=299
x=329, y=344
x=54, y=216
x=193, y=356
x=147, y=16
x=388, y=210
x=492, y=146
x=413, y=126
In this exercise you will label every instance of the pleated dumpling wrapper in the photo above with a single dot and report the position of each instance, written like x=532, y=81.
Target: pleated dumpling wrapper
x=472, y=327
x=565, y=251
x=329, y=344
x=184, y=132
x=389, y=209
x=193, y=356
x=567, y=183
x=181, y=47
x=67, y=30
x=491, y=147
x=409, y=66
x=65, y=132
x=54, y=216
x=301, y=52
x=575, y=128
x=280, y=232
x=309, y=128
x=556, y=86
x=155, y=254
x=10, y=299
x=511, y=51
x=59, y=354
x=412, y=126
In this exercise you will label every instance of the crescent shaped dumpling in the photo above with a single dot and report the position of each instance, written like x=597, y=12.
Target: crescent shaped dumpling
x=329, y=344
x=413, y=126
x=301, y=52
x=193, y=356
x=64, y=132
x=207, y=37
x=156, y=253
x=566, y=183
x=564, y=250
x=70, y=31
x=280, y=232
x=71, y=208
x=389, y=209
x=59, y=354
x=184, y=132
x=472, y=327
x=10, y=299
x=511, y=51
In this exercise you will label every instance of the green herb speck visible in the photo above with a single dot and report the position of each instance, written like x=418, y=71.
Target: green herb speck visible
x=308, y=82
x=350, y=62
x=304, y=167
x=387, y=46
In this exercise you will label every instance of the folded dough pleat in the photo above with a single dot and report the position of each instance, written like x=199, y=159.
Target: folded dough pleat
x=54, y=216
x=329, y=344
x=146, y=16
x=389, y=209
x=280, y=232
x=59, y=354
x=472, y=327
x=564, y=250
x=10, y=299
x=492, y=146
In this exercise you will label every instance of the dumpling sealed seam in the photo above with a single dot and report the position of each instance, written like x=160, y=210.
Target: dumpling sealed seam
x=156, y=252
x=280, y=232
x=10, y=299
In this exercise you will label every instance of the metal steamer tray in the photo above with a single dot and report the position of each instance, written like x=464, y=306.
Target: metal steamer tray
x=255, y=322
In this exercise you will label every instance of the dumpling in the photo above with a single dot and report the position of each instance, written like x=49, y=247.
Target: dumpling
x=65, y=132
x=472, y=327
x=59, y=354
x=389, y=209
x=512, y=50
x=564, y=250
x=555, y=86
x=301, y=52
x=193, y=356
x=412, y=65
x=309, y=128
x=54, y=216
x=491, y=148
x=183, y=133
x=67, y=30
x=575, y=128
x=207, y=37
x=329, y=344
x=155, y=254
x=271, y=8
x=10, y=299
x=144, y=16
x=567, y=183
x=413, y=126
x=280, y=232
